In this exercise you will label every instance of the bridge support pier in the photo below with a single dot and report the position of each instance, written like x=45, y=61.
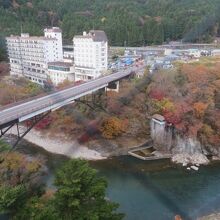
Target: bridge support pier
x=95, y=100
x=113, y=86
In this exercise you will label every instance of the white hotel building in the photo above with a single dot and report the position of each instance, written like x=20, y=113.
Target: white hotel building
x=29, y=56
x=60, y=71
x=90, y=55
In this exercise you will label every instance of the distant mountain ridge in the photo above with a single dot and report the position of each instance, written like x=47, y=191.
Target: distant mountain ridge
x=126, y=22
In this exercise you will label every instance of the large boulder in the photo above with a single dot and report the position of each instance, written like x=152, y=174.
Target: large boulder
x=185, y=158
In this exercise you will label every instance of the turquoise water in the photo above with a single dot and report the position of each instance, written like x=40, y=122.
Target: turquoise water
x=160, y=190
x=156, y=190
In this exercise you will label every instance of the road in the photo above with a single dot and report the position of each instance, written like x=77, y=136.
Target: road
x=48, y=102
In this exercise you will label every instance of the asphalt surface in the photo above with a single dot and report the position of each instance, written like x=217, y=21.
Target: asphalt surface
x=21, y=110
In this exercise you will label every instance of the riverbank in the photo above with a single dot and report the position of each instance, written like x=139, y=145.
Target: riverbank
x=187, y=159
x=92, y=150
x=100, y=149
x=61, y=146
x=214, y=216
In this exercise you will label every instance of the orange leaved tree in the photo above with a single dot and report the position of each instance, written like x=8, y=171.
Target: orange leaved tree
x=112, y=127
x=199, y=109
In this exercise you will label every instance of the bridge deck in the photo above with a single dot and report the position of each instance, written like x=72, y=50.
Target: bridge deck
x=26, y=110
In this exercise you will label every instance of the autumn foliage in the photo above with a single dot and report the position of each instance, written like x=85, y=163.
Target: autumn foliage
x=44, y=123
x=113, y=127
x=14, y=90
x=4, y=69
x=157, y=94
x=188, y=98
x=199, y=109
x=17, y=168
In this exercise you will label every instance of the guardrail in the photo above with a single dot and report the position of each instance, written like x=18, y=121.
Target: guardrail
x=54, y=98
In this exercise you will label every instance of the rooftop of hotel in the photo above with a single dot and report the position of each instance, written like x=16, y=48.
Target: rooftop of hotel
x=53, y=29
x=95, y=35
x=29, y=38
x=26, y=36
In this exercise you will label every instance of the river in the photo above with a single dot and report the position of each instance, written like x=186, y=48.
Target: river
x=154, y=190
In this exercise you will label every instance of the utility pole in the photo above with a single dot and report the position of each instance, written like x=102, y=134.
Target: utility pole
x=21, y=28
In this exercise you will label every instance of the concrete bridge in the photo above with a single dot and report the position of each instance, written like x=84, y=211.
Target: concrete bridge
x=37, y=108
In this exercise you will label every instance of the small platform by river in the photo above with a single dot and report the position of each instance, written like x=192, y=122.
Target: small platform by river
x=148, y=153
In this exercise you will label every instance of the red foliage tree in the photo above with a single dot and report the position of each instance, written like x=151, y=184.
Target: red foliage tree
x=42, y=124
x=92, y=130
x=156, y=94
x=172, y=117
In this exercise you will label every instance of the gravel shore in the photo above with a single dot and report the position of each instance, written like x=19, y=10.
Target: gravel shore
x=71, y=149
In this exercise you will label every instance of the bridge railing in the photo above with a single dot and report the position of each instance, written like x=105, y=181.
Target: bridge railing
x=52, y=92
x=35, y=97
x=24, y=101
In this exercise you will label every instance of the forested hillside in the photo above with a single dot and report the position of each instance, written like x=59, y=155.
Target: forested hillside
x=126, y=22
